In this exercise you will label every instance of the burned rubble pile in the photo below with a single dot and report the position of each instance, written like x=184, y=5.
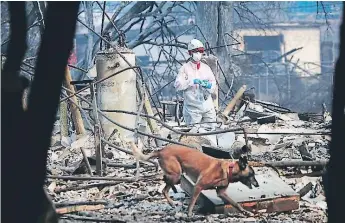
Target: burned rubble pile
x=297, y=144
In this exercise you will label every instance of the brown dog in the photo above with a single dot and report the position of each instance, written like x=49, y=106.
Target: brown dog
x=207, y=172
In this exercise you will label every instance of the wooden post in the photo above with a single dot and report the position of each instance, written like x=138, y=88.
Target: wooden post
x=76, y=116
x=98, y=146
x=98, y=143
x=86, y=161
x=63, y=120
x=232, y=103
x=148, y=110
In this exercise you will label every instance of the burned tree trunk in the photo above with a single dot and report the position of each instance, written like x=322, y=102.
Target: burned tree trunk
x=215, y=22
x=206, y=18
x=26, y=135
x=332, y=181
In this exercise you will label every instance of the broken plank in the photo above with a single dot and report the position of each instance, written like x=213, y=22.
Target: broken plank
x=254, y=115
x=289, y=163
x=266, y=119
x=305, y=189
x=312, y=174
x=98, y=146
x=63, y=120
x=148, y=110
x=92, y=219
x=87, y=186
x=232, y=103
x=78, y=203
x=119, y=179
x=71, y=209
x=273, y=195
x=282, y=145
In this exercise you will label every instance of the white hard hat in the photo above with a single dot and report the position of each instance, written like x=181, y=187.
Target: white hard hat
x=195, y=44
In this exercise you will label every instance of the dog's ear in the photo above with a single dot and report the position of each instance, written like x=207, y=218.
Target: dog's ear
x=243, y=159
x=242, y=162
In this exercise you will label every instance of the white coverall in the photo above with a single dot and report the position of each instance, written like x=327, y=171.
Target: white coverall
x=196, y=108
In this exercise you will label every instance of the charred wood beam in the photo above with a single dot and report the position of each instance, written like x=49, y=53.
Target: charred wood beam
x=115, y=179
x=291, y=163
x=74, y=203
x=91, y=219
x=12, y=114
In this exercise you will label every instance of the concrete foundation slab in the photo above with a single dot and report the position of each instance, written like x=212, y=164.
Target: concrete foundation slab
x=273, y=195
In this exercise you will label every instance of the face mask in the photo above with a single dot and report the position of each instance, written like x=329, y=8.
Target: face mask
x=196, y=56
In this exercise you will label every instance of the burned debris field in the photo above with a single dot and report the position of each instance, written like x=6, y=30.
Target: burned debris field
x=298, y=149
x=172, y=111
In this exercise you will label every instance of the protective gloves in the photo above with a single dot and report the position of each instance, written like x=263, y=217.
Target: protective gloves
x=206, y=84
x=203, y=83
x=197, y=81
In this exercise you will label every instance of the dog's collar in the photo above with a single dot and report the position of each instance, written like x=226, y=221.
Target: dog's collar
x=231, y=166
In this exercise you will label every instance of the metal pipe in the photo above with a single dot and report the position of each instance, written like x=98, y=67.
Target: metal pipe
x=167, y=126
x=216, y=47
x=77, y=68
x=216, y=132
x=100, y=44
x=287, y=133
x=70, y=65
x=162, y=87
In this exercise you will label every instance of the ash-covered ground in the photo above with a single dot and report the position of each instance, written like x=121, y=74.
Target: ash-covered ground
x=142, y=201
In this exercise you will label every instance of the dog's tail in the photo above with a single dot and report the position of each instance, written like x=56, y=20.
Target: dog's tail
x=140, y=156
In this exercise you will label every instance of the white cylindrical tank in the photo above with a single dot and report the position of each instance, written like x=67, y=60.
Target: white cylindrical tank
x=118, y=92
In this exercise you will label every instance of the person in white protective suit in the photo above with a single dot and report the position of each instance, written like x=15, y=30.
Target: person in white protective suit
x=197, y=82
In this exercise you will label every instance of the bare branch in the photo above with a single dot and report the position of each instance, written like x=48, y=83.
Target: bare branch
x=179, y=45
